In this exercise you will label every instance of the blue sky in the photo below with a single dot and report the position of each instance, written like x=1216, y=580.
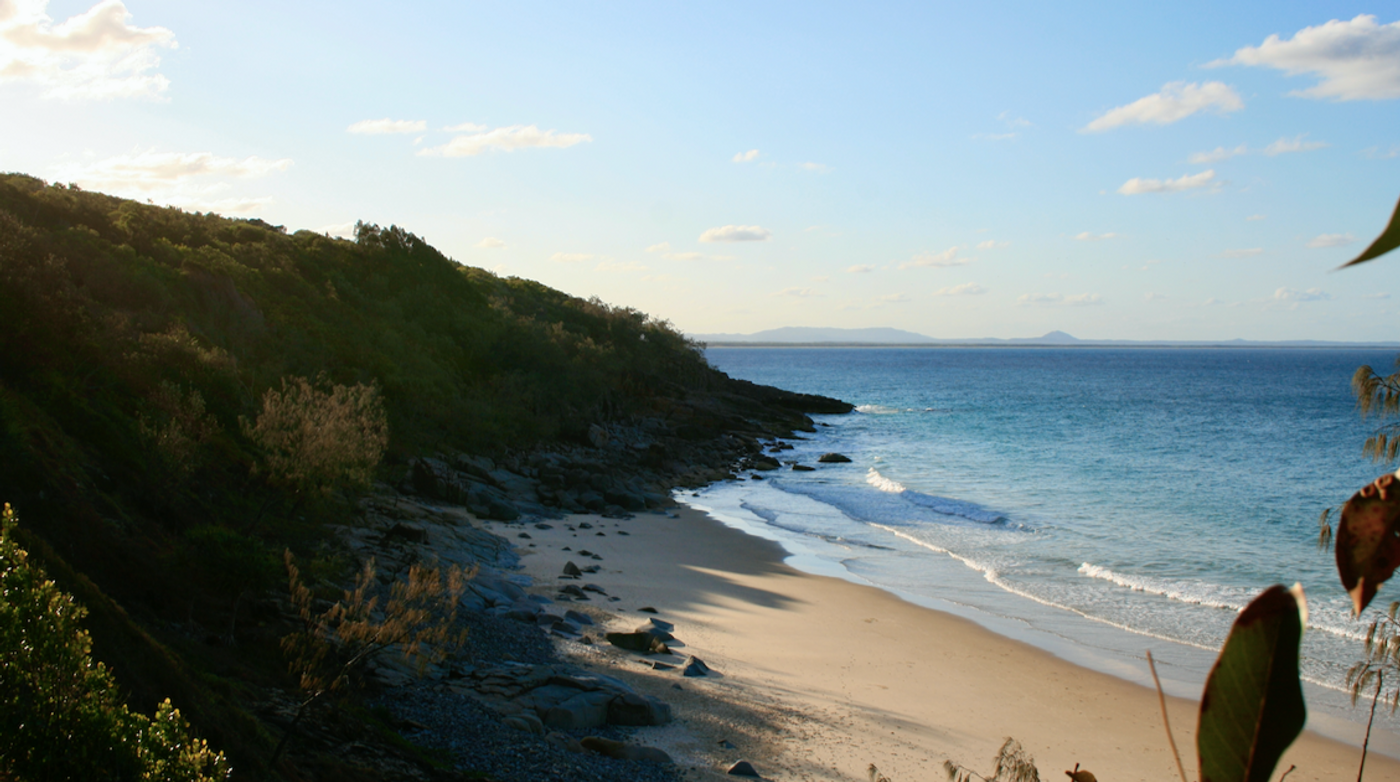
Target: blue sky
x=1185, y=171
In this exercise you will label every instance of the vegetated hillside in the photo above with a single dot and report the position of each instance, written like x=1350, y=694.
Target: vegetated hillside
x=137, y=343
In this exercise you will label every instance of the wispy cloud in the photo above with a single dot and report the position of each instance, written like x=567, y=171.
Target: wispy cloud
x=820, y=168
x=736, y=233
x=1352, y=60
x=1248, y=252
x=98, y=54
x=574, y=257
x=660, y=247
x=189, y=180
x=506, y=139
x=683, y=256
x=1176, y=101
x=1059, y=299
x=1138, y=185
x=745, y=157
x=609, y=265
x=1216, y=155
x=466, y=127
x=992, y=244
x=948, y=257
x=966, y=289
x=1330, y=240
x=1153, y=296
x=377, y=127
x=342, y=230
x=1375, y=153
x=895, y=298
x=1290, y=296
x=1093, y=237
x=1253, y=218
x=1295, y=144
x=1377, y=295
x=864, y=268
x=798, y=293
x=490, y=243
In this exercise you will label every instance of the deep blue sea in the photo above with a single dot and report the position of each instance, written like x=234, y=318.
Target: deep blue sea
x=1096, y=502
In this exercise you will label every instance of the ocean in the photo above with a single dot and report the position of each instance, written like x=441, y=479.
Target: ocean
x=1095, y=502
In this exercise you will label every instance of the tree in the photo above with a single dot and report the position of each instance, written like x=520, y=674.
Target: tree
x=61, y=714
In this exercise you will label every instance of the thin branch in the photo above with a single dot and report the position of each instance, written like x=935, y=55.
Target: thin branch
x=1166, y=723
x=1380, y=676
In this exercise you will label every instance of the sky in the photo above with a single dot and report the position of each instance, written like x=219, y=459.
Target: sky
x=1181, y=171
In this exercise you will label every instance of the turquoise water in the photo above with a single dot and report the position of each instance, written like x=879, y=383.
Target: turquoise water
x=1098, y=502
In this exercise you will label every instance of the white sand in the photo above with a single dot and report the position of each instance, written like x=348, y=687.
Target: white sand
x=819, y=677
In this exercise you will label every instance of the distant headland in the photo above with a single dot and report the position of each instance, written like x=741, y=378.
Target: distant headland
x=891, y=337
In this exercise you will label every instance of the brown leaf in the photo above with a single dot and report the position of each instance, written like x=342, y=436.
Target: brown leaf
x=1368, y=540
x=1081, y=776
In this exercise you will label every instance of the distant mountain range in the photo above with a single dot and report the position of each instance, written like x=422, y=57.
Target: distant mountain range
x=802, y=335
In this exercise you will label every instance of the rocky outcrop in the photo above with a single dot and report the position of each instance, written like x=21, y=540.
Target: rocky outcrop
x=538, y=698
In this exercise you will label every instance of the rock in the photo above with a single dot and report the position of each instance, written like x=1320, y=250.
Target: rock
x=578, y=617
x=655, y=631
x=657, y=665
x=594, y=588
x=647, y=610
x=573, y=591
x=638, y=642
x=525, y=535
x=630, y=708
x=500, y=510
x=542, y=525
x=524, y=610
x=585, y=710
x=765, y=463
x=803, y=468
x=621, y=751
x=659, y=624
x=744, y=769
x=527, y=722
x=695, y=667
x=408, y=532
x=570, y=569
x=833, y=458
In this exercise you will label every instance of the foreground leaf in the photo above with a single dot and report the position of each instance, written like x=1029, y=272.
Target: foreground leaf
x=1387, y=241
x=1368, y=540
x=1252, y=708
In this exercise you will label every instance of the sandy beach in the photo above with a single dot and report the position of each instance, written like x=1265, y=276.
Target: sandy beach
x=817, y=678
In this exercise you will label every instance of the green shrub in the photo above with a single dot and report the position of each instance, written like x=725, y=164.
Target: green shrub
x=61, y=714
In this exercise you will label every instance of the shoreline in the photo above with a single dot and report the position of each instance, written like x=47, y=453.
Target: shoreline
x=819, y=677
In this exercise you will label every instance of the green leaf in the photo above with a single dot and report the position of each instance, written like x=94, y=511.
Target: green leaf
x=1252, y=708
x=1368, y=540
x=1387, y=241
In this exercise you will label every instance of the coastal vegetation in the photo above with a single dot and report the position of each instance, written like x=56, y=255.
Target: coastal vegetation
x=184, y=396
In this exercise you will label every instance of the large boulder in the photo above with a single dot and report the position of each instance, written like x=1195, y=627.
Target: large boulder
x=585, y=710
x=631, y=708
x=833, y=458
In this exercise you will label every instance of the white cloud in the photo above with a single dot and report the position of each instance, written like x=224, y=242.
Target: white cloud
x=1355, y=60
x=1375, y=153
x=1248, y=252
x=508, y=139
x=1138, y=185
x=745, y=157
x=1154, y=296
x=619, y=266
x=1295, y=144
x=1290, y=296
x=992, y=244
x=1376, y=296
x=573, y=257
x=895, y=298
x=864, y=268
x=820, y=168
x=1330, y=240
x=1252, y=218
x=1176, y=101
x=377, y=127
x=466, y=127
x=660, y=247
x=798, y=293
x=966, y=289
x=95, y=55
x=1216, y=155
x=683, y=256
x=490, y=243
x=1059, y=299
x=152, y=171
x=736, y=233
x=948, y=257
x=1092, y=237
x=342, y=230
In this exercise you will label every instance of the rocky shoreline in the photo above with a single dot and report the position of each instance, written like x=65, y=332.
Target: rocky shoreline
x=515, y=703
